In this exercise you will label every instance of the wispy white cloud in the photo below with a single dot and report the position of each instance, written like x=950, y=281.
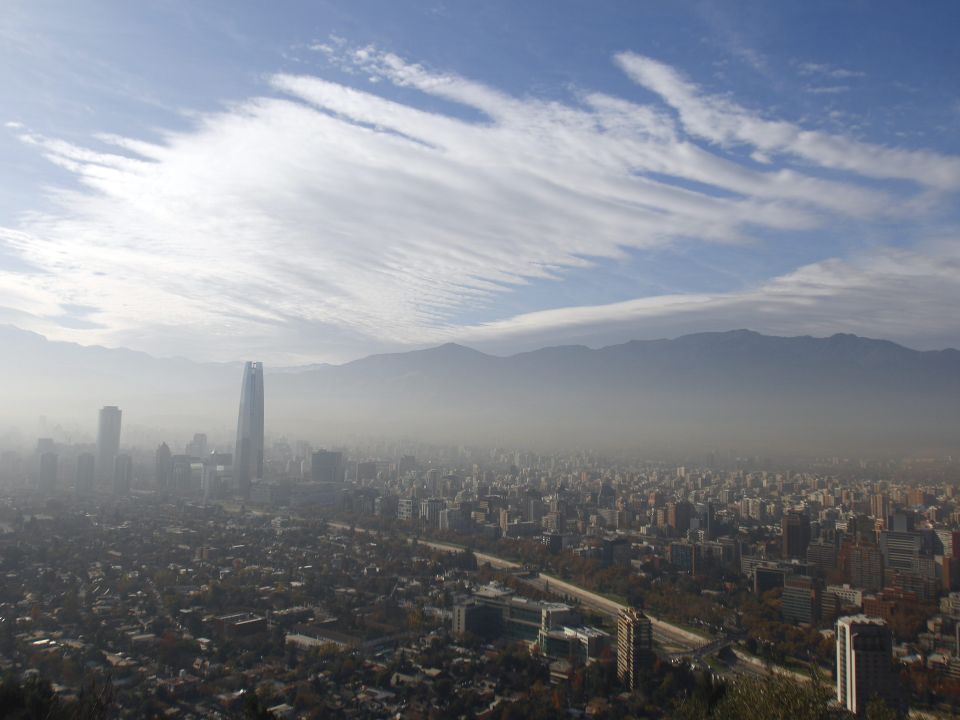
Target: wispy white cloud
x=828, y=71
x=326, y=221
x=724, y=122
x=826, y=89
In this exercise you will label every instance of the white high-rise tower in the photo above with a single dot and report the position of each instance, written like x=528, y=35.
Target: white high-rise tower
x=248, y=451
x=108, y=445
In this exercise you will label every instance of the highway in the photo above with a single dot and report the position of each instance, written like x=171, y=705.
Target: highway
x=663, y=632
x=676, y=640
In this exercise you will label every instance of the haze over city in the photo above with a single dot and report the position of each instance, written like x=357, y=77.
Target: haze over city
x=545, y=360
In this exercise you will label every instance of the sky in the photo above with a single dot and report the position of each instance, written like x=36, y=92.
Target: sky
x=302, y=182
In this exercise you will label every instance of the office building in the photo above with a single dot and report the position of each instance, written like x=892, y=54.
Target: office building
x=494, y=612
x=822, y=557
x=799, y=602
x=108, y=444
x=901, y=550
x=122, y=475
x=86, y=474
x=248, y=451
x=49, y=466
x=681, y=555
x=864, y=663
x=678, y=516
x=186, y=475
x=795, y=534
x=198, y=446
x=164, y=466
x=634, y=646
x=582, y=644
x=710, y=521
x=327, y=466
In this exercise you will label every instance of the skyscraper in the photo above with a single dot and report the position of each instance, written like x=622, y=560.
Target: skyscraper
x=248, y=452
x=864, y=663
x=164, y=460
x=108, y=444
x=634, y=646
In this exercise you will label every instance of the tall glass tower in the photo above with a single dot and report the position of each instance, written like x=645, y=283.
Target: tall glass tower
x=248, y=452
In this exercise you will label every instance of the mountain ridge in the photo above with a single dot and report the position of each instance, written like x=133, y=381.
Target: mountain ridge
x=453, y=347
x=732, y=388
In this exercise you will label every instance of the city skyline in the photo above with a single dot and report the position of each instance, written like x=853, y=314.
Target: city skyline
x=596, y=360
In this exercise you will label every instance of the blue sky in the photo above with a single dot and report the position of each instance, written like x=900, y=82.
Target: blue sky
x=317, y=181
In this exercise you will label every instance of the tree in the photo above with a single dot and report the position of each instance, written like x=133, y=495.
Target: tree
x=34, y=699
x=772, y=697
x=877, y=709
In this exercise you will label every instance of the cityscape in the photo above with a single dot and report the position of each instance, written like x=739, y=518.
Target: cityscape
x=437, y=360
x=469, y=581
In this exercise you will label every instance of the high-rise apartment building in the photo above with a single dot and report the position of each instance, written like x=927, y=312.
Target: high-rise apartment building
x=248, y=451
x=864, y=663
x=862, y=564
x=634, y=646
x=108, y=443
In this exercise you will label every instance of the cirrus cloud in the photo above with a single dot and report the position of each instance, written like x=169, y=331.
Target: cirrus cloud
x=322, y=221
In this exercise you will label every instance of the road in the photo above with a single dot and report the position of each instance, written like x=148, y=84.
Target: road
x=676, y=640
x=663, y=632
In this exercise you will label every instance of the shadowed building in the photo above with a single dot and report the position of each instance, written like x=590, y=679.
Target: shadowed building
x=248, y=451
x=864, y=663
x=795, y=528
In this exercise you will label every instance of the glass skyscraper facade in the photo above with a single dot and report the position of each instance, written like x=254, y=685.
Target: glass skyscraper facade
x=248, y=451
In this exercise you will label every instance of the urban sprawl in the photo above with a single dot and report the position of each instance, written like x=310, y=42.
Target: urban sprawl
x=396, y=579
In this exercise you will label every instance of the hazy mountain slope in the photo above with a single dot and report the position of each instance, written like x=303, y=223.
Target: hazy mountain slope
x=735, y=389
x=739, y=388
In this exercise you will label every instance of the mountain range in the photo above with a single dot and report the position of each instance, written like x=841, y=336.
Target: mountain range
x=724, y=390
